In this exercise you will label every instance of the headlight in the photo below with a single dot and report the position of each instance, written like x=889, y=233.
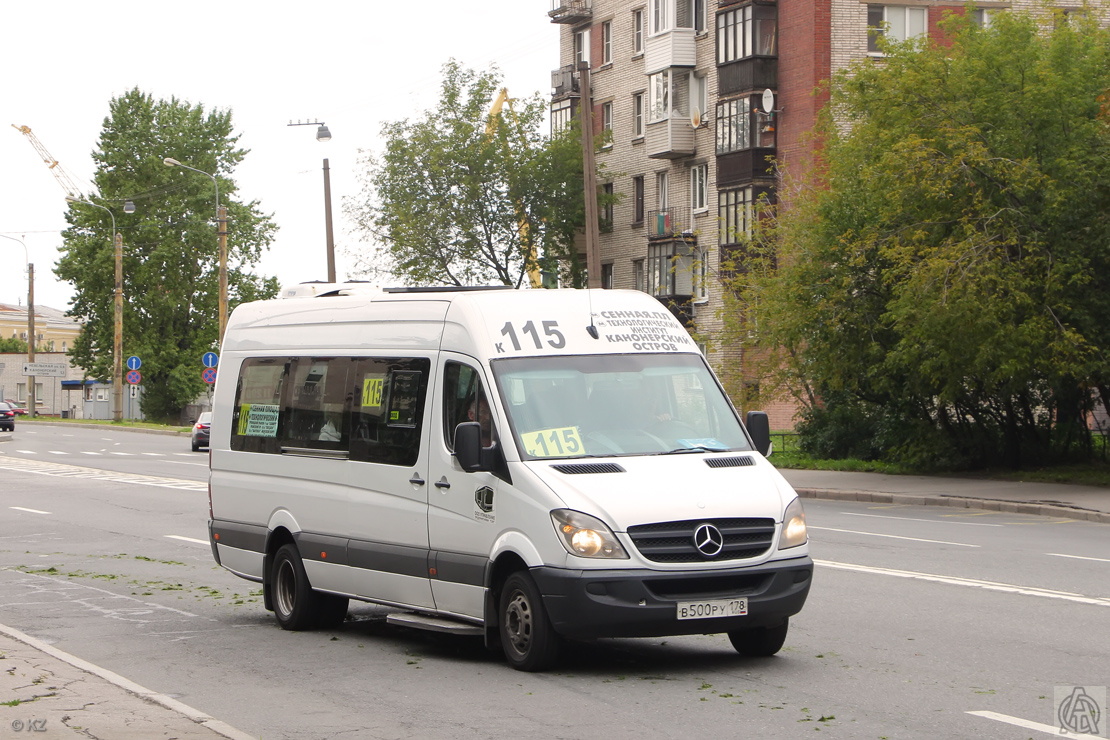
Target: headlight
x=586, y=536
x=793, y=526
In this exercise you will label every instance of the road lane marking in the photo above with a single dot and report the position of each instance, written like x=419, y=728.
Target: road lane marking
x=57, y=452
x=155, y=454
x=1078, y=557
x=64, y=470
x=912, y=519
x=125, y=454
x=1027, y=724
x=84, y=452
x=32, y=511
x=972, y=582
x=179, y=462
x=895, y=537
x=27, y=452
x=187, y=539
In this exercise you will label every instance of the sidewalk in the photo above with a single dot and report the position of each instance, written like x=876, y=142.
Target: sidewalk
x=57, y=695
x=1090, y=503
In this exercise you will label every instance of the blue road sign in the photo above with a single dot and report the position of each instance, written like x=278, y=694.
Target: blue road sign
x=210, y=359
x=134, y=363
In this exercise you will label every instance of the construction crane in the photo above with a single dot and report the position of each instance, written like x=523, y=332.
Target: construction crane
x=63, y=178
x=534, y=275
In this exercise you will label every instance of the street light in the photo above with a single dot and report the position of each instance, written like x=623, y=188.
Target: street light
x=323, y=134
x=117, y=311
x=31, y=402
x=221, y=236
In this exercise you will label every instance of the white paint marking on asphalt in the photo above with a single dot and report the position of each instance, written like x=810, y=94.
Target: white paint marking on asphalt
x=179, y=462
x=155, y=454
x=187, y=539
x=911, y=519
x=58, y=452
x=1027, y=724
x=1078, y=557
x=125, y=454
x=895, y=537
x=32, y=511
x=83, y=452
x=185, y=454
x=972, y=582
x=27, y=452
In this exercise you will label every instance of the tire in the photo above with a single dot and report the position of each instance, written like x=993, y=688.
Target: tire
x=196, y=447
x=760, y=642
x=296, y=605
x=527, y=638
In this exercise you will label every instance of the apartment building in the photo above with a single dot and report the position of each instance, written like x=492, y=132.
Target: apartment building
x=700, y=97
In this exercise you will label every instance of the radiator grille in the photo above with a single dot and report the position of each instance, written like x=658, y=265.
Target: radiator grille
x=674, y=542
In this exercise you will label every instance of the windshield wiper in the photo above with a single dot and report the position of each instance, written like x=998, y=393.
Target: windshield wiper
x=698, y=448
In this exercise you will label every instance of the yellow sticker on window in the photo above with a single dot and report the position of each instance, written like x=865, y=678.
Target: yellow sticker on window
x=372, y=388
x=559, y=442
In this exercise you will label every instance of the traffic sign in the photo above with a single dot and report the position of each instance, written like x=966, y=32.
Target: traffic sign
x=210, y=359
x=134, y=377
x=45, y=369
x=134, y=363
x=209, y=375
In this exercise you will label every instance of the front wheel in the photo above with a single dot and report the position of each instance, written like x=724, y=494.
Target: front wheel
x=529, y=641
x=296, y=605
x=759, y=642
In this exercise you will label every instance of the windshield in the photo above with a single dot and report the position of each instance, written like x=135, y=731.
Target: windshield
x=606, y=405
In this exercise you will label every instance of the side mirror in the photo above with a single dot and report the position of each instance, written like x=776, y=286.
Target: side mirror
x=468, y=446
x=759, y=428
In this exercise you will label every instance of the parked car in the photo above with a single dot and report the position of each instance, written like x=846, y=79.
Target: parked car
x=7, y=417
x=201, y=430
x=17, y=407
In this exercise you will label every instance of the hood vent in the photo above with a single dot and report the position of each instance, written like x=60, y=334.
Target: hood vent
x=588, y=468
x=729, y=462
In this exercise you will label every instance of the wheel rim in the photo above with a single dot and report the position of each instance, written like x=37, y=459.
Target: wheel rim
x=285, y=587
x=518, y=622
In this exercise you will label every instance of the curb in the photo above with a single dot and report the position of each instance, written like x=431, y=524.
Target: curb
x=107, y=427
x=1036, y=508
x=194, y=715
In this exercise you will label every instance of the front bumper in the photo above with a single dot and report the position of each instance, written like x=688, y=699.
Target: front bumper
x=643, y=603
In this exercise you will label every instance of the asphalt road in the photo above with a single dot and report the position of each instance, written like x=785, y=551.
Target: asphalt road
x=918, y=616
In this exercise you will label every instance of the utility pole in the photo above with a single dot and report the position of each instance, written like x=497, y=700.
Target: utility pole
x=589, y=179
x=221, y=232
x=32, y=404
x=327, y=222
x=117, y=333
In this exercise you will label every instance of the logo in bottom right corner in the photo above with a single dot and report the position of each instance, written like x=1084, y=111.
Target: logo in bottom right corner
x=1081, y=710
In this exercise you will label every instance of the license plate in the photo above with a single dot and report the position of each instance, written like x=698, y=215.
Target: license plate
x=712, y=608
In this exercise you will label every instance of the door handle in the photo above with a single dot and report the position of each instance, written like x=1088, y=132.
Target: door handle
x=442, y=483
x=416, y=480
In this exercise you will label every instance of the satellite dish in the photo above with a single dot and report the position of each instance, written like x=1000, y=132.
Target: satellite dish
x=695, y=118
x=768, y=101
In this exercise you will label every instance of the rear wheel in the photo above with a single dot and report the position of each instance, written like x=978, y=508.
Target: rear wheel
x=759, y=642
x=296, y=605
x=527, y=638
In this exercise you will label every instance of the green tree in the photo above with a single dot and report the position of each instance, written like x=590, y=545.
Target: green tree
x=460, y=197
x=944, y=280
x=170, y=255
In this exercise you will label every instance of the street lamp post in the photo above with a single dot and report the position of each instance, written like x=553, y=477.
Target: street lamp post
x=31, y=401
x=221, y=236
x=117, y=312
x=323, y=134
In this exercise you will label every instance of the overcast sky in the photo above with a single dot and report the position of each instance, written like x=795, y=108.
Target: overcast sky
x=353, y=64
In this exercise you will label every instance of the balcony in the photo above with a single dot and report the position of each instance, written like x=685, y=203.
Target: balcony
x=674, y=48
x=564, y=82
x=670, y=223
x=571, y=11
x=671, y=138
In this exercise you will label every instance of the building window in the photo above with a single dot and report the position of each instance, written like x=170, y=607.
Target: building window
x=607, y=276
x=607, y=42
x=699, y=198
x=561, y=114
x=701, y=275
x=582, y=47
x=898, y=22
x=734, y=125
x=669, y=268
x=637, y=32
x=638, y=199
x=750, y=30
x=637, y=115
x=734, y=213
x=981, y=17
x=699, y=96
x=659, y=96
x=661, y=191
x=701, y=22
x=605, y=213
x=638, y=275
x=607, y=116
